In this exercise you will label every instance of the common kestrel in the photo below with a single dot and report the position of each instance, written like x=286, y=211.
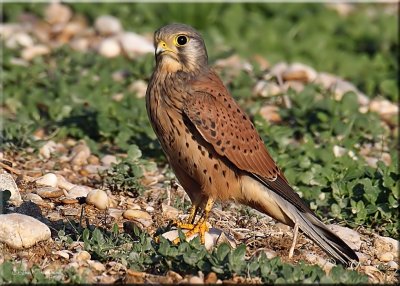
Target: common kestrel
x=213, y=147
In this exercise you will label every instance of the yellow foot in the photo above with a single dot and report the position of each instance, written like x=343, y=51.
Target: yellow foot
x=201, y=228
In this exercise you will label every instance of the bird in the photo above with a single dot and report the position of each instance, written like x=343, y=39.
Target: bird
x=213, y=147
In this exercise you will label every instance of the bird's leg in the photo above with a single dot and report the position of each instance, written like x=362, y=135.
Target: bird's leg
x=189, y=222
x=201, y=226
x=296, y=231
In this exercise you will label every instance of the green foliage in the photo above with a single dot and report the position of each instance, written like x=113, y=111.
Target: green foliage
x=139, y=252
x=16, y=273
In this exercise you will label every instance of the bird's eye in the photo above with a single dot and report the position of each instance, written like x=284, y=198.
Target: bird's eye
x=181, y=40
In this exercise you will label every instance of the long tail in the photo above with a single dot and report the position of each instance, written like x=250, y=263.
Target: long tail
x=260, y=196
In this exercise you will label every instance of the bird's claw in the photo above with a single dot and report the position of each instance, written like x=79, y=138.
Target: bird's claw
x=201, y=228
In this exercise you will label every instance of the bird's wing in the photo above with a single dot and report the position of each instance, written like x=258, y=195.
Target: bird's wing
x=224, y=125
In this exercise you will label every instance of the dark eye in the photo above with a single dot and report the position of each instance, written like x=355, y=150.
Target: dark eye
x=182, y=40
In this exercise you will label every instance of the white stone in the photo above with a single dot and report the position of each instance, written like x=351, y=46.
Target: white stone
x=48, y=179
x=80, y=154
x=134, y=44
x=64, y=184
x=339, y=151
x=150, y=209
x=49, y=192
x=47, y=149
x=63, y=253
x=57, y=13
x=393, y=265
x=351, y=237
x=22, y=231
x=98, y=198
x=34, y=51
x=7, y=183
x=139, y=87
x=82, y=256
x=109, y=48
x=108, y=25
x=386, y=257
x=33, y=198
x=20, y=39
x=169, y=212
x=299, y=71
x=97, y=266
x=136, y=214
x=108, y=160
x=78, y=191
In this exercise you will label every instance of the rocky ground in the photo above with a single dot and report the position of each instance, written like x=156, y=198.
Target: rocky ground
x=64, y=187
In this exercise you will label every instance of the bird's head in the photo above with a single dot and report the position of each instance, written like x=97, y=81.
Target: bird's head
x=179, y=47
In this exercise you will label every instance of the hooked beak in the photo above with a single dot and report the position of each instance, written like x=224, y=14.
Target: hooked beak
x=162, y=47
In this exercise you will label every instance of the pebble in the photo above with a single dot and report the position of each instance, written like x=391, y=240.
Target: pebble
x=71, y=211
x=108, y=160
x=386, y=257
x=299, y=72
x=362, y=257
x=270, y=253
x=134, y=44
x=80, y=154
x=7, y=183
x=270, y=113
x=78, y=191
x=351, y=237
x=94, y=169
x=266, y=88
x=339, y=151
x=82, y=256
x=139, y=87
x=109, y=48
x=33, y=198
x=49, y=192
x=313, y=258
x=115, y=213
x=393, y=265
x=97, y=198
x=136, y=214
x=64, y=184
x=107, y=25
x=384, y=244
x=196, y=280
x=211, y=278
x=47, y=149
x=56, y=13
x=169, y=212
x=19, y=40
x=97, y=266
x=69, y=201
x=48, y=179
x=22, y=231
x=150, y=209
x=63, y=253
x=34, y=51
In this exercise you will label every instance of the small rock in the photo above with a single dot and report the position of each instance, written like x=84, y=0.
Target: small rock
x=196, y=280
x=98, y=198
x=47, y=149
x=233, y=65
x=19, y=40
x=108, y=160
x=386, y=257
x=49, y=192
x=54, y=216
x=150, y=209
x=78, y=191
x=387, y=110
x=63, y=253
x=80, y=154
x=362, y=257
x=115, y=213
x=339, y=151
x=34, y=51
x=69, y=201
x=351, y=237
x=33, y=198
x=80, y=44
x=270, y=253
x=270, y=113
x=49, y=179
x=94, y=169
x=7, y=183
x=386, y=244
x=109, y=48
x=70, y=211
x=299, y=72
x=57, y=13
x=22, y=231
x=82, y=256
x=276, y=71
x=139, y=87
x=107, y=25
x=393, y=265
x=266, y=88
x=64, y=184
x=136, y=214
x=134, y=44
x=313, y=258
x=211, y=278
x=97, y=266
x=169, y=212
